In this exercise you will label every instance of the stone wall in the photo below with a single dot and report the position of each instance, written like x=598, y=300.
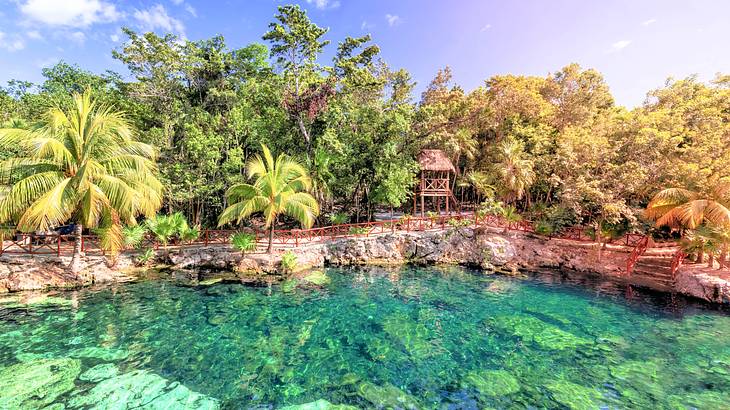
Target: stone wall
x=39, y=272
x=486, y=248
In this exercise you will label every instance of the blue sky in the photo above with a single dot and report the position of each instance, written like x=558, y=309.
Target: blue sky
x=635, y=44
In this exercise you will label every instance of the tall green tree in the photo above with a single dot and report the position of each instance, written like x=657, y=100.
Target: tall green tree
x=279, y=188
x=296, y=43
x=83, y=165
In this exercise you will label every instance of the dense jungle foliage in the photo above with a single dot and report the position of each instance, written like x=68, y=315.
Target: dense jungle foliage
x=557, y=147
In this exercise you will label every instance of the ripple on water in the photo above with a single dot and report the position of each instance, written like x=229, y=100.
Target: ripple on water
x=403, y=338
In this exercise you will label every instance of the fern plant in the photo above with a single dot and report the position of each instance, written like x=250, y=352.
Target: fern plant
x=134, y=235
x=288, y=262
x=243, y=242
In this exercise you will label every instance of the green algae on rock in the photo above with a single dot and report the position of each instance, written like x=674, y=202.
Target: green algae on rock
x=317, y=277
x=101, y=353
x=387, y=396
x=35, y=384
x=492, y=383
x=545, y=335
x=573, y=396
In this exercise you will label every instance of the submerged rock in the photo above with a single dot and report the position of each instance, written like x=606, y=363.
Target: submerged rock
x=33, y=385
x=101, y=353
x=573, y=396
x=316, y=277
x=545, y=335
x=493, y=383
x=387, y=396
x=100, y=372
x=320, y=404
x=141, y=388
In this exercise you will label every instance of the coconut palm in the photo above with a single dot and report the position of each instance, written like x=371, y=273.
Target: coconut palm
x=279, y=187
x=80, y=164
x=516, y=173
x=683, y=208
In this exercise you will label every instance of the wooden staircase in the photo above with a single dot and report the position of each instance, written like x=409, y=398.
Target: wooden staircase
x=655, y=266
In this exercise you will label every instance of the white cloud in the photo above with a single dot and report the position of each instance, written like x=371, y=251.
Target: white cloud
x=366, y=26
x=190, y=9
x=620, y=45
x=74, y=13
x=393, y=20
x=177, y=2
x=114, y=37
x=34, y=35
x=486, y=27
x=13, y=44
x=648, y=22
x=156, y=17
x=324, y=4
x=77, y=37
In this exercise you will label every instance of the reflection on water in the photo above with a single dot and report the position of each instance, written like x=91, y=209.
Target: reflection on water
x=391, y=338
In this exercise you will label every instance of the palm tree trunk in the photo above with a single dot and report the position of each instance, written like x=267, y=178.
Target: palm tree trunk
x=75, y=265
x=723, y=256
x=701, y=255
x=270, y=249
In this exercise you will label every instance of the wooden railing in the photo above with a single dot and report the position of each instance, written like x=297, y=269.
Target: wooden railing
x=639, y=249
x=52, y=244
x=677, y=261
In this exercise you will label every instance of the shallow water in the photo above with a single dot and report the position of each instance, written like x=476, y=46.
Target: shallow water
x=408, y=338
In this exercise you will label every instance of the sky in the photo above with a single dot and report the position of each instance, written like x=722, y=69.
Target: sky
x=635, y=44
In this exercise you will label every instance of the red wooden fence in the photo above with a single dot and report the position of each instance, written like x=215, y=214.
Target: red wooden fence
x=52, y=244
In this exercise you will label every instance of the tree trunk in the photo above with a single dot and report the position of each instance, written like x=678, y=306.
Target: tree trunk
x=701, y=255
x=723, y=256
x=270, y=249
x=75, y=265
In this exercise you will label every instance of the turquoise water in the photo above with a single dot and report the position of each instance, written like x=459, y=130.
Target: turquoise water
x=410, y=338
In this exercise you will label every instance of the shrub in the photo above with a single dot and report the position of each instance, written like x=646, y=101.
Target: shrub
x=339, y=218
x=458, y=223
x=243, y=242
x=189, y=234
x=134, y=235
x=356, y=230
x=144, y=258
x=544, y=227
x=288, y=261
x=491, y=207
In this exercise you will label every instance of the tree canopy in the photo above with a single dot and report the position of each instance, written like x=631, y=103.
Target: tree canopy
x=552, y=145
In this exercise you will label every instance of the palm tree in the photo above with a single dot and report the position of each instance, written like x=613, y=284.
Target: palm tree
x=80, y=164
x=683, y=208
x=515, y=172
x=279, y=187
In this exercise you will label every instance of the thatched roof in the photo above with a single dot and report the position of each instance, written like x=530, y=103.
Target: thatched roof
x=434, y=160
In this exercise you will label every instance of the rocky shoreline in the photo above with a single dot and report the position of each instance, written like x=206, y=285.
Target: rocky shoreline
x=485, y=248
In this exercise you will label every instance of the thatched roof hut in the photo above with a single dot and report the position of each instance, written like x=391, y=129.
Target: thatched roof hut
x=435, y=160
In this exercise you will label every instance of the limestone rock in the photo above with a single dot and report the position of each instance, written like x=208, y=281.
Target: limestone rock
x=141, y=388
x=35, y=384
x=100, y=372
x=320, y=404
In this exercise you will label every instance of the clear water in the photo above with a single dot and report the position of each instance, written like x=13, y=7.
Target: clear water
x=408, y=338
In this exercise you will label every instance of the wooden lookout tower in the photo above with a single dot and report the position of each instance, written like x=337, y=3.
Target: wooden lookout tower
x=434, y=181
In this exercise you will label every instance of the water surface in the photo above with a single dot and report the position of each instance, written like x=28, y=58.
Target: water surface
x=372, y=338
